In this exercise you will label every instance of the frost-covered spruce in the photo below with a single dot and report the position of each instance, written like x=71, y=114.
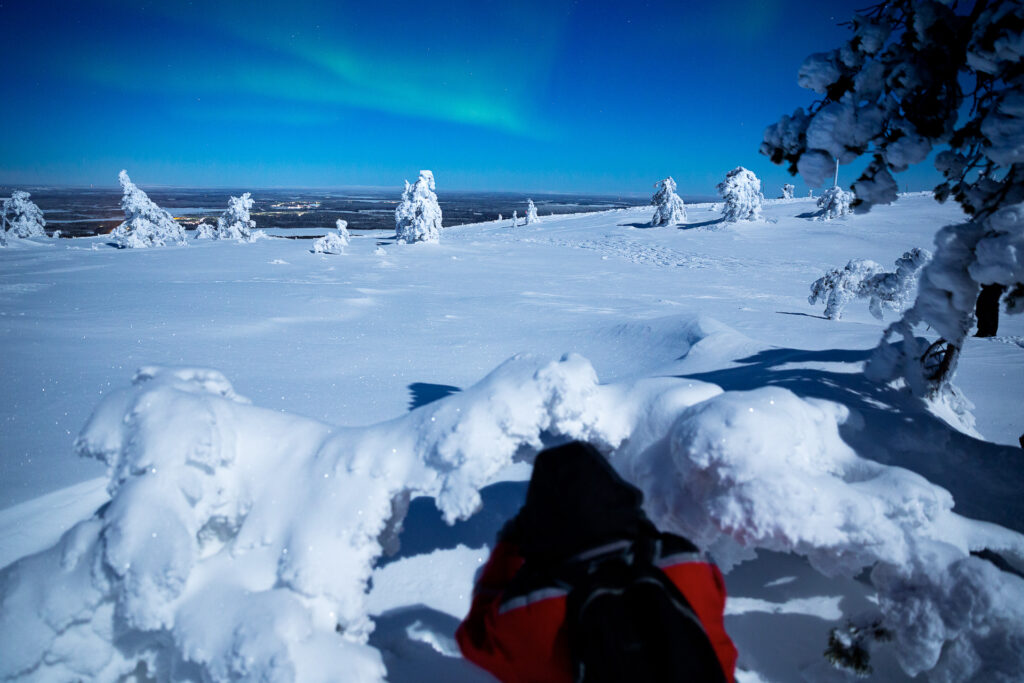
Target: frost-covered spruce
x=741, y=190
x=668, y=206
x=531, y=212
x=333, y=242
x=145, y=224
x=840, y=286
x=895, y=291
x=886, y=93
x=236, y=223
x=206, y=231
x=834, y=203
x=418, y=215
x=515, y=219
x=21, y=217
x=865, y=279
x=787, y=190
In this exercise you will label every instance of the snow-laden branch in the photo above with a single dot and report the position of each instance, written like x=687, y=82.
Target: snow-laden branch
x=238, y=540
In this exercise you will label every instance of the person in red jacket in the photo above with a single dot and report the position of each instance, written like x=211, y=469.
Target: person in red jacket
x=582, y=587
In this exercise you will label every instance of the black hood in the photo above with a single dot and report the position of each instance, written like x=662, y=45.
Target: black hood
x=577, y=501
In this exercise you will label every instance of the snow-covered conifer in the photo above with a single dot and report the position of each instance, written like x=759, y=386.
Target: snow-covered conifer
x=145, y=224
x=834, y=203
x=206, y=231
x=741, y=190
x=21, y=217
x=333, y=242
x=669, y=208
x=787, y=190
x=840, y=286
x=886, y=92
x=515, y=219
x=235, y=223
x=895, y=291
x=418, y=215
x=865, y=279
x=531, y=212
x=499, y=217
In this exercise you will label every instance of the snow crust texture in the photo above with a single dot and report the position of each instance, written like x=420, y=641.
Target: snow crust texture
x=238, y=541
x=145, y=223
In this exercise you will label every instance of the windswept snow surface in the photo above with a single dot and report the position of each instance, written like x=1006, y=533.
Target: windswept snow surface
x=303, y=533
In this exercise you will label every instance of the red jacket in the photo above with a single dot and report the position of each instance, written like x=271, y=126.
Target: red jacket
x=518, y=632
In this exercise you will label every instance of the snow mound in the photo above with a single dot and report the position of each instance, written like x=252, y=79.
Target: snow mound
x=239, y=542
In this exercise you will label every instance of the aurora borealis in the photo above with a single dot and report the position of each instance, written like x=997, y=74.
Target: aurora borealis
x=539, y=95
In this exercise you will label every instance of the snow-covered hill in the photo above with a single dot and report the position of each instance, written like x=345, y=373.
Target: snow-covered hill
x=243, y=532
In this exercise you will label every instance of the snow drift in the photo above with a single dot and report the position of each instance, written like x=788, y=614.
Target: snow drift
x=238, y=541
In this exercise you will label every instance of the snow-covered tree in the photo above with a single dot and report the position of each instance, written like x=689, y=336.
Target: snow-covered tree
x=865, y=279
x=741, y=190
x=515, y=219
x=531, y=212
x=895, y=291
x=917, y=75
x=333, y=242
x=418, y=215
x=840, y=286
x=206, y=231
x=834, y=203
x=21, y=217
x=145, y=224
x=236, y=223
x=668, y=206
x=787, y=190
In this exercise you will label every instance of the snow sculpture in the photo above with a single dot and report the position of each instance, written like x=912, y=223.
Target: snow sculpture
x=333, y=242
x=21, y=218
x=418, y=215
x=865, y=279
x=531, y=212
x=879, y=98
x=787, y=190
x=145, y=224
x=834, y=203
x=235, y=223
x=669, y=208
x=741, y=190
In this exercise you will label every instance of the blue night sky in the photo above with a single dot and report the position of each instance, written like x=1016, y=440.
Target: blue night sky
x=601, y=97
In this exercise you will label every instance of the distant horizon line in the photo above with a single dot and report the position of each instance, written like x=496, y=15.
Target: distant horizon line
x=282, y=188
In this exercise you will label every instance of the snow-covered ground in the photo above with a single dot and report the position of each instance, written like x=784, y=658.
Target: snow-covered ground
x=384, y=373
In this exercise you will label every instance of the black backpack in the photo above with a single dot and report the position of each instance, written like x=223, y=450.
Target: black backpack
x=583, y=528
x=628, y=622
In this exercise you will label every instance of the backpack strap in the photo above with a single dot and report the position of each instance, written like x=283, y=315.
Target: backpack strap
x=627, y=621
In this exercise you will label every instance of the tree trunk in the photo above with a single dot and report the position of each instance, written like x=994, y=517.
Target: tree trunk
x=987, y=310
